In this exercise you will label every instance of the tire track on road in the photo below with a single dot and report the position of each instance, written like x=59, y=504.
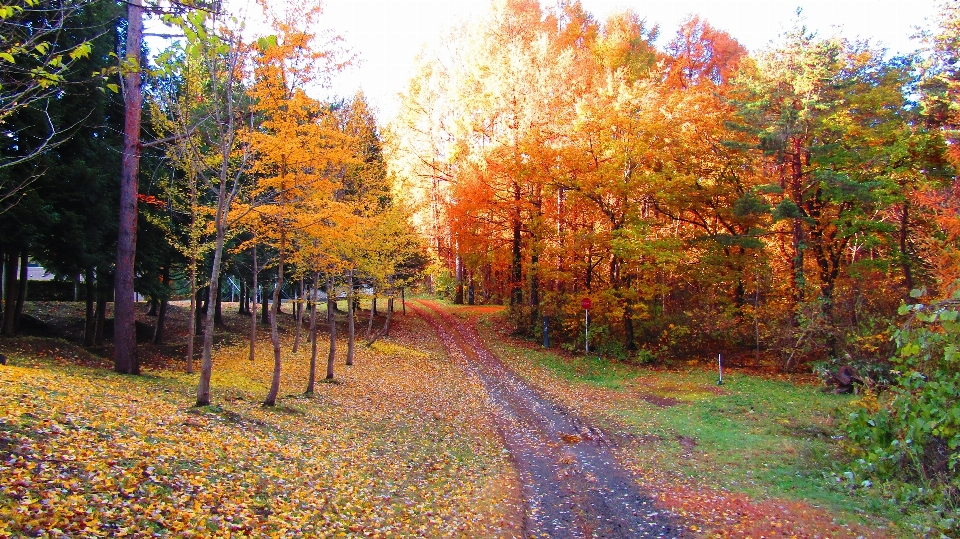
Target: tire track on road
x=572, y=485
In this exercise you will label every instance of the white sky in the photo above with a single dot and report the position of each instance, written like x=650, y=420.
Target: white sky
x=386, y=35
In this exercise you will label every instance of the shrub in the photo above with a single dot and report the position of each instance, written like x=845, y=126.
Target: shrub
x=910, y=441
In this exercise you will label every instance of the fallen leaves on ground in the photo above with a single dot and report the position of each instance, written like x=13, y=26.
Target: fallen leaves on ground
x=398, y=447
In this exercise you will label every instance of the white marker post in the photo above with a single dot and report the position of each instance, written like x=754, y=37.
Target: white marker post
x=720, y=368
x=586, y=304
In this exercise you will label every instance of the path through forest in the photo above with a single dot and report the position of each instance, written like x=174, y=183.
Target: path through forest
x=572, y=485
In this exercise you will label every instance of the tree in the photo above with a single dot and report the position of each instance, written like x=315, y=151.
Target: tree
x=296, y=149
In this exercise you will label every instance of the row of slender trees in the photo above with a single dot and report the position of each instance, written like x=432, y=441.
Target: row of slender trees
x=222, y=163
x=781, y=203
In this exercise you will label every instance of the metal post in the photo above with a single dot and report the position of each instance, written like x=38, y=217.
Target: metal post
x=586, y=341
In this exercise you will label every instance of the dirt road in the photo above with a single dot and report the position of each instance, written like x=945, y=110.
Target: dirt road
x=572, y=485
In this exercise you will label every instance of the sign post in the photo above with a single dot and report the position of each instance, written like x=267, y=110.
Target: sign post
x=586, y=304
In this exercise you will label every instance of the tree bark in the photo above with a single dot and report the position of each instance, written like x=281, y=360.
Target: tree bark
x=373, y=312
x=351, y=330
x=299, y=312
x=10, y=301
x=264, y=315
x=203, y=306
x=22, y=288
x=162, y=312
x=333, y=328
x=125, y=334
x=253, y=312
x=218, y=308
x=311, y=381
x=90, y=323
x=271, y=399
x=101, y=318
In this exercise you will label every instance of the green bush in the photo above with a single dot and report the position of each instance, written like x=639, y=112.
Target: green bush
x=909, y=441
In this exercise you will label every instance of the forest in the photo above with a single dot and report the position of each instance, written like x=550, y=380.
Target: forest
x=778, y=207
x=785, y=211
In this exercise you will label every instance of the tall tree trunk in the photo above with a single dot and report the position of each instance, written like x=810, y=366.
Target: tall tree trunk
x=333, y=328
x=10, y=301
x=264, y=315
x=101, y=318
x=90, y=323
x=242, y=305
x=403, y=296
x=458, y=271
x=218, y=308
x=154, y=304
x=299, y=311
x=351, y=329
x=162, y=313
x=373, y=312
x=203, y=305
x=253, y=314
x=192, y=324
x=271, y=399
x=22, y=288
x=124, y=330
x=386, y=324
x=311, y=381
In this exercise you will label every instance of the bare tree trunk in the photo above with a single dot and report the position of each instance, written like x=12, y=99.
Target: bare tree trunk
x=333, y=328
x=90, y=323
x=311, y=382
x=162, y=313
x=253, y=311
x=351, y=330
x=101, y=318
x=386, y=324
x=218, y=308
x=403, y=296
x=22, y=289
x=203, y=304
x=271, y=399
x=124, y=330
x=264, y=315
x=373, y=311
x=10, y=301
x=299, y=311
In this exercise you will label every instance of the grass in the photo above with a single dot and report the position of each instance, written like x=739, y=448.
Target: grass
x=763, y=437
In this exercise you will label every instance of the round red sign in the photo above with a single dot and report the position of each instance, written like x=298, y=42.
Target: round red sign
x=586, y=303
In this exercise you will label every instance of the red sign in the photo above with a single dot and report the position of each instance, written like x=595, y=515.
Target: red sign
x=586, y=304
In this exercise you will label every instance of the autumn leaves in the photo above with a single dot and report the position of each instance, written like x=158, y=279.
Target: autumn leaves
x=703, y=196
x=281, y=175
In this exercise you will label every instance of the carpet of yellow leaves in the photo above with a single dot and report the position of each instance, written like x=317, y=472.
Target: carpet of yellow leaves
x=398, y=446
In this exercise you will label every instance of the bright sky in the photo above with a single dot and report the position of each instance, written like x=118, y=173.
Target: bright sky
x=387, y=34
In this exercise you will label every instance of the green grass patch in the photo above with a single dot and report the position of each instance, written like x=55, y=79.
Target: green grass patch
x=761, y=436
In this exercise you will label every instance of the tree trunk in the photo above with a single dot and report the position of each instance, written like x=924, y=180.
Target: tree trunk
x=124, y=330
x=10, y=301
x=101, y=318
x=264, y=315
x=271, y=399
x=373, y=312
x=351, y=330
x=403, y=296
x=154, y=304
x=253, y=312
x=22, y=288
x=311, y=381
x=90, y=323
x=243, y=306
x=386, y=324
x=202, y=307
x=218, y=308
x=162, y=313
x=333, y=328
x=299, y=311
